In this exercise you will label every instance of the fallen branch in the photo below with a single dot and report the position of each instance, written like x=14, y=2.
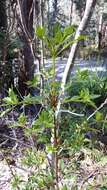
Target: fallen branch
x=19, y=141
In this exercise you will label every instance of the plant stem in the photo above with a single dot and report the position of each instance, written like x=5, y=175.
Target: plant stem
x=55, y=153
x=55, y=129
x=54, y=70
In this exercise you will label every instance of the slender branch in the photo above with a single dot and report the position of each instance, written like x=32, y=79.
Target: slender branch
x=3, y=143
x=100, y=107
x=92, y=174
x=19, y=141
x=70, y=63
x=10, y=168
x=70, y=112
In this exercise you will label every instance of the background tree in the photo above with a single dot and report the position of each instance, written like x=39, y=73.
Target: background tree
x=6, y=42
x=90, y=4
x=25, y=20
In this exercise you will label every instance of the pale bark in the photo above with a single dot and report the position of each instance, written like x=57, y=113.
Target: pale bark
x=42, y=24
x=70, y=63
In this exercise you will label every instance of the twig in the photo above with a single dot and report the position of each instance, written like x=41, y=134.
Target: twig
x=3, y=143
x=14, y=133
x=12, y=138
x=72, y=113
x=70, y=62
x=89, y=176
x=10, y=168
x=100, y=107
x=37, y=115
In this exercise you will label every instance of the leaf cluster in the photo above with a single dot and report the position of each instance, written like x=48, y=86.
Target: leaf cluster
x=60, y=40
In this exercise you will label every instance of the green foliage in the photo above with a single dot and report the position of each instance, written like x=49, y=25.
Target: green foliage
x=99, y=116
x=11, y=99
x=31, y=100
x=15, y=182
x=58, y=138
x=45, y=120
x=85, y=93
x=85, y=79
x=40, y=32
x=9, y=49
x=35, y=81
x=22, y=119
x=60, y=40
x=87, y=87
x=41, y=127
x=64, y=188
x=84, y=97
x=32, y=158
x=103, y=188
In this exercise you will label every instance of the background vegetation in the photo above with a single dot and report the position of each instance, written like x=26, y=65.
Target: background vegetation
x=53, y=130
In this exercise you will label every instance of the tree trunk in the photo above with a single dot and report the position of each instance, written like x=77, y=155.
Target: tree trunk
x=55, y=11
x=3, y=16
x=90, y=4
x=4, y=67
x=42, y=24
x=25, y=22
x=70, y=18
x=100, y=25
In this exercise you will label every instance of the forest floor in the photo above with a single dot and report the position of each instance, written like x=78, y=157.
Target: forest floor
x=86, y=171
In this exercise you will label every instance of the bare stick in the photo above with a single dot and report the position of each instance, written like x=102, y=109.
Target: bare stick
x=101, y=106
x=70, y=63
x=72, y=113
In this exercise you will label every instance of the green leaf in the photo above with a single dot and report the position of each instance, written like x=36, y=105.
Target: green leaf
x=94, y=96
x=34, y=82
x=8, y=100
x=58, y=37
x=103, y=161
x=22, y=119
x=73, y=99
x=30, y=159
x=12, y=94
x=64, y=187
x=103, y=188
x=40, y=32
x=50, y=71
x=83, y=97
x=69, y=31
x=5, y=112
x=50, y=149
x=82, y=75
x=62, y=165
x=32, y=99
x=99, y=116
x=56, y=28
x=12, y=98
x=87, y=98
x=16, y=181
x=65, y=47
x=45, y=120
x=49, y=42
x=81, y=37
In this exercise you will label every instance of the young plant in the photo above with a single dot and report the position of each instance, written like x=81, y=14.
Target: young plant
x=56, y=44
x=45, y=122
